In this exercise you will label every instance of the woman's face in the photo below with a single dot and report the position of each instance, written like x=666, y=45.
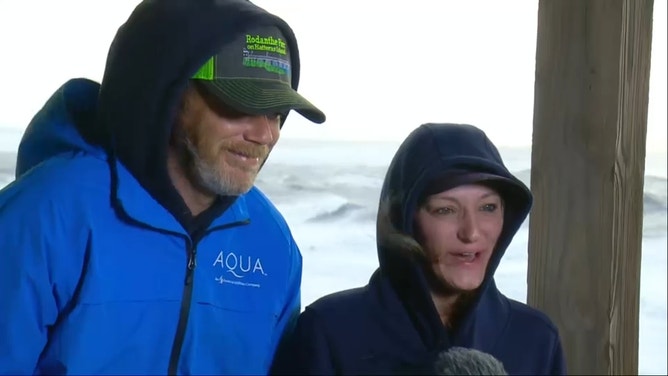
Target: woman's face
x=458, y=229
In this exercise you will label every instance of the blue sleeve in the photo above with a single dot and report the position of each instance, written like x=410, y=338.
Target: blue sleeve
x=292, y=307
x=30, y=297
x=306, y=351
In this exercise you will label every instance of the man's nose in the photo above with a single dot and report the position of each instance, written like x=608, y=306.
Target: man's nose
x=261, y=130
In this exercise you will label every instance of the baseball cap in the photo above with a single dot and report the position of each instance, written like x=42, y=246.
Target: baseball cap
x=252, y=74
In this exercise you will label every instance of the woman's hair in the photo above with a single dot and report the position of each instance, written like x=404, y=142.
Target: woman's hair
x=388, y=234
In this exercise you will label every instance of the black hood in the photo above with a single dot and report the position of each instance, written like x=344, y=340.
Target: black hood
x=152, y=57
x=430, y=152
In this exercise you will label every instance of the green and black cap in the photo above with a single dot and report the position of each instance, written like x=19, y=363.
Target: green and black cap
x=252, y=74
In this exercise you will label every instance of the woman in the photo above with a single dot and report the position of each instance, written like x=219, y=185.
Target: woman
x=449, y=209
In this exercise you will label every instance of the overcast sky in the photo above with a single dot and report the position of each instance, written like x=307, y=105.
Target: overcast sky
x=377, y=68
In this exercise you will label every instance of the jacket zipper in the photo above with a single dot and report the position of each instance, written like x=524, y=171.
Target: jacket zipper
x=186, y=300
x=184, y=313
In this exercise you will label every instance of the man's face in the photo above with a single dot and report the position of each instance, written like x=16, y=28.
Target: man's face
x=222, y=149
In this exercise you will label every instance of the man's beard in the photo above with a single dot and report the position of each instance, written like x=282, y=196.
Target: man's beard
x=205, y=169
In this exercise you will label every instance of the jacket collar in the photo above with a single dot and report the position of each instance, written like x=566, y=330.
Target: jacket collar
x=480, y=329
x=136, y=205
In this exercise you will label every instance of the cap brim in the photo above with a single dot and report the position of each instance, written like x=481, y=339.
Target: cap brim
x=262, y=97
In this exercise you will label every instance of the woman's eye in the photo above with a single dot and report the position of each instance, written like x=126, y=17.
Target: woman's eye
x=490, y=207
x=443, y=211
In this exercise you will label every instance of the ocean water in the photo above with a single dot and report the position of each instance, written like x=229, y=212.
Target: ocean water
x=328, y=193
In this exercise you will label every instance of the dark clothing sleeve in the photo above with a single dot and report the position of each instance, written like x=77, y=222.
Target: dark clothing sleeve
x=306, y=351
x=558, y=359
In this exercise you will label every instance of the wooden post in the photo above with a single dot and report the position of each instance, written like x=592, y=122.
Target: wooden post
x=588, y=158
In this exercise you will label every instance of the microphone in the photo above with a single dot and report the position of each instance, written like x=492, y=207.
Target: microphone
x=463, y=361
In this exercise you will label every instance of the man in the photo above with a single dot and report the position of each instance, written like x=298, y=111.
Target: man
x=133, y=240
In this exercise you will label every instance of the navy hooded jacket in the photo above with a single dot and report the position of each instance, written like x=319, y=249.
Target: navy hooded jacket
x=391, y=325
